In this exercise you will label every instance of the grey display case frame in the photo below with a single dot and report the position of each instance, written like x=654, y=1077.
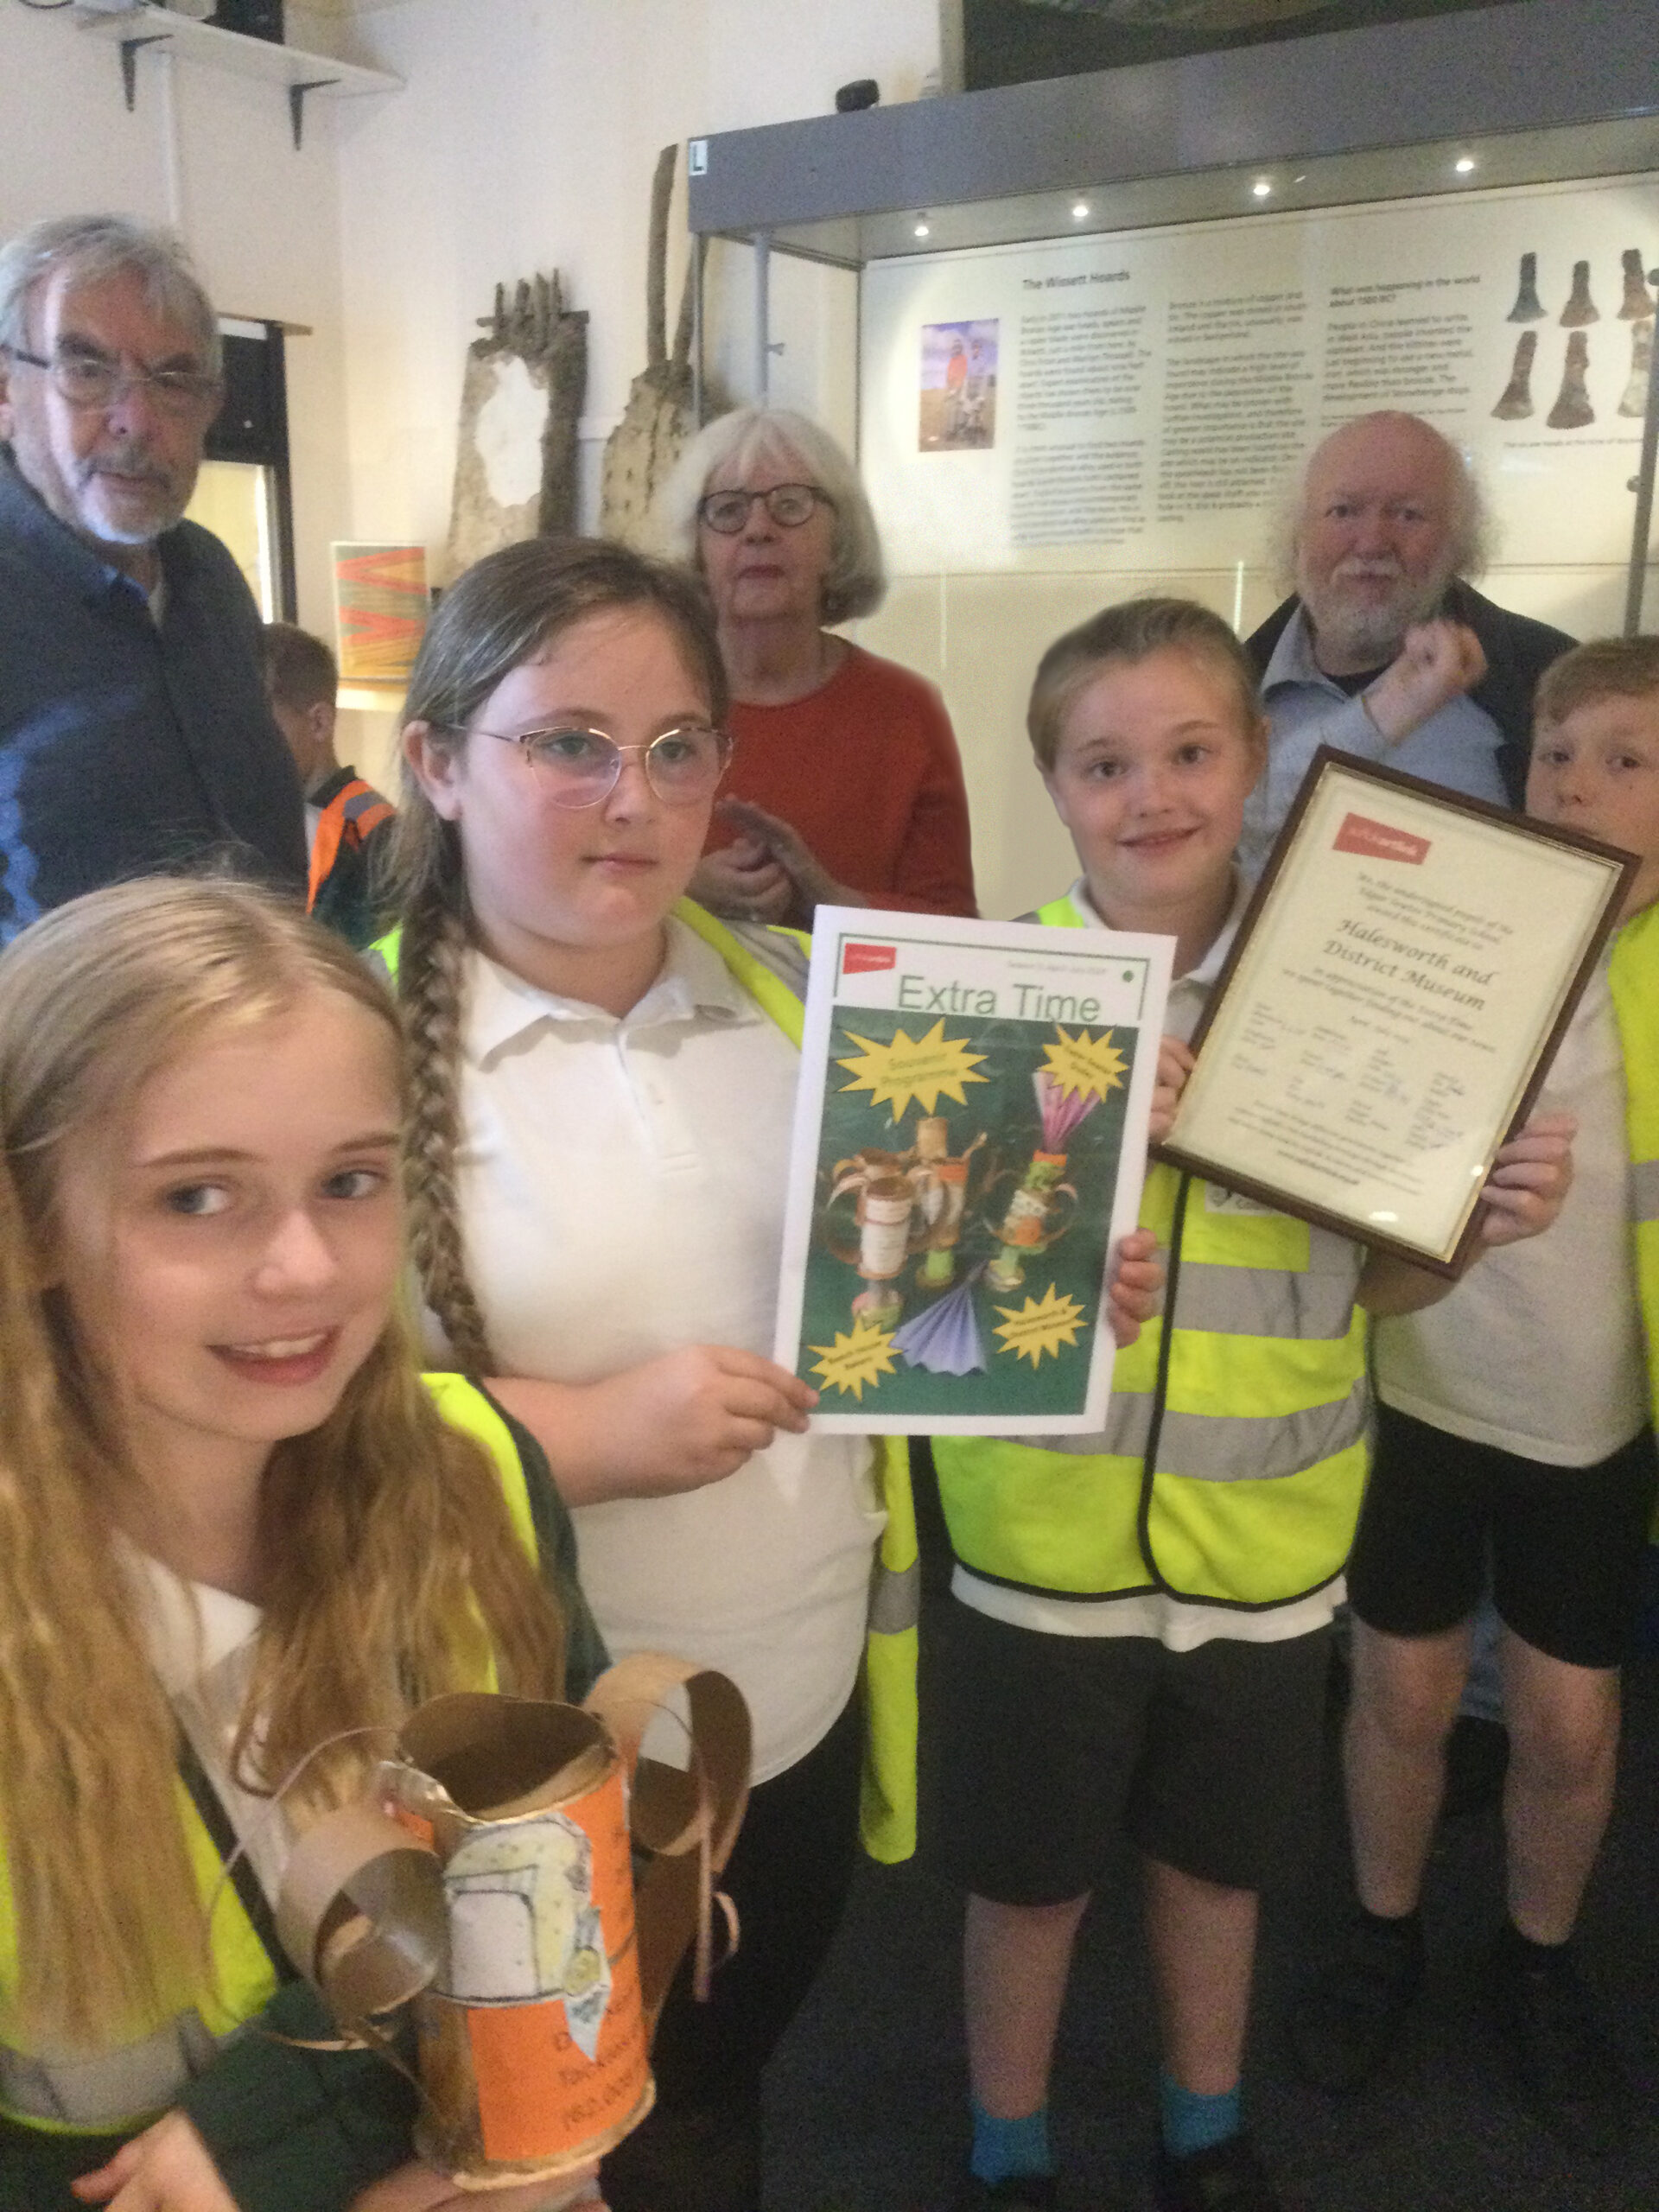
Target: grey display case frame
x=1538, y=90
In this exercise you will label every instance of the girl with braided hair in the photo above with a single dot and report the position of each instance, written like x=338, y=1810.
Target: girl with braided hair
x=233, y=1524
x=595, y=1152
x=603, y=1079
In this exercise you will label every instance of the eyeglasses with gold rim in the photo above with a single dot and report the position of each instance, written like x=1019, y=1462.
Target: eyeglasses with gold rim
x=578, y=767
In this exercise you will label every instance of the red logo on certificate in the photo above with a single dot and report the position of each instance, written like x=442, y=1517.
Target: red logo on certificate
x=1377, y=841
x=862, y=959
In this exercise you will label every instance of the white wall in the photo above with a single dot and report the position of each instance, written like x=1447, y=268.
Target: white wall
x=211, y=154
x=527, y=141
x=524, y=140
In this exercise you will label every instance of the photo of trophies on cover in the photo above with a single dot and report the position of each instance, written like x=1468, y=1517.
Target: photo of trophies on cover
x=969, y=1144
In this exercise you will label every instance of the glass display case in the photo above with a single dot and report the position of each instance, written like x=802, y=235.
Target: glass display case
x=1083, y=332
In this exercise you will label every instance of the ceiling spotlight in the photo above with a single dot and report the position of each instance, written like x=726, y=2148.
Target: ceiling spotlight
x=1080, y=208
x=921, y=230
x=1260, y=188
x=1464, y=163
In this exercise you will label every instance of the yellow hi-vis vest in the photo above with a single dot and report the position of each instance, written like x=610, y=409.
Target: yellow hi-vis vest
x=887, y=1800
x=1633, y=979
x=116, y=2091
x=1248, y=1495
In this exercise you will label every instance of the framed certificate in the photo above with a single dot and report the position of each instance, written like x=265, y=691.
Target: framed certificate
x=1392, y=1001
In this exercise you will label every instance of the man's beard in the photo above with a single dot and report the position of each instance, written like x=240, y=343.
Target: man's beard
x=159, y=508
x=1366, y=630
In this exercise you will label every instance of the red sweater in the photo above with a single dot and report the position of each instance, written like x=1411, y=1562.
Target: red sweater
x=866, y=770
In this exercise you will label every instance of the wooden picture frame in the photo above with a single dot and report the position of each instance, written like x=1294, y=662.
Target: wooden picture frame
x=1390, y=1008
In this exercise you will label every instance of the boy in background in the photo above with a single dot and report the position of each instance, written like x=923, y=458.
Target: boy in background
x=342, y=812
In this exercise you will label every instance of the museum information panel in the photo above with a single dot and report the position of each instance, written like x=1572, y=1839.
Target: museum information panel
x=1145, y=395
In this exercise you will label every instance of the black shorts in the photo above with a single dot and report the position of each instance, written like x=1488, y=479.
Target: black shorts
x=1050, y=1746
x=1565, y=1544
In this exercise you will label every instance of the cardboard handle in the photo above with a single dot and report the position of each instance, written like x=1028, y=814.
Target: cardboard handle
x=685, y=1821
x=362, y=1912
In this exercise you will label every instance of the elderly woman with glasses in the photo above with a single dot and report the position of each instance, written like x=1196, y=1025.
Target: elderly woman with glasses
x=845, y=786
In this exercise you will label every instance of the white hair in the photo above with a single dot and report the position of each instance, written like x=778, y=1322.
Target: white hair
x=1469, y=546
x=855, y=581
x=92, y=249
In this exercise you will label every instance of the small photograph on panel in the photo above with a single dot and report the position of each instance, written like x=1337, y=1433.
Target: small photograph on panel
x=958, y=386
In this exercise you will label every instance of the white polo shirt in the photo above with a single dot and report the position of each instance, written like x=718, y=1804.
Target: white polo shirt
x=1538, y=1349
x=202, y=1644
x=621, y=1188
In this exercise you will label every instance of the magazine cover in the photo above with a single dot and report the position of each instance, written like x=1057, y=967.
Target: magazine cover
x=970, y=1138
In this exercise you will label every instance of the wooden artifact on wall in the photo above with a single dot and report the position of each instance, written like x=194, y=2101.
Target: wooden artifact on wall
x=516, y=460
x=659, y=419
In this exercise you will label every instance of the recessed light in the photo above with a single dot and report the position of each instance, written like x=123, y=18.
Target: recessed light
x=1260, y=188
x=922, y=230
x=1464, y=163
x=1079, y=209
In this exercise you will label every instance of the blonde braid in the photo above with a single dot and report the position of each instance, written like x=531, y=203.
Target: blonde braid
x=431, y=983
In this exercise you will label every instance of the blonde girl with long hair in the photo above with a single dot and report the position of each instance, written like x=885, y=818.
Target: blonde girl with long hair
x=603, y=1081
x=233, y=1523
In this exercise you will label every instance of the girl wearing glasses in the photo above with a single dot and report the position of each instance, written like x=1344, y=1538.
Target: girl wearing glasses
x=846, y=787
x=603, y=1084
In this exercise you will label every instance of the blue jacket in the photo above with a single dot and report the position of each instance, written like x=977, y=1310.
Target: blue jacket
x=125, y=749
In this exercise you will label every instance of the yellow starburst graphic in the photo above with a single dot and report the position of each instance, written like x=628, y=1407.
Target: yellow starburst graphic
x=1038, y=1326
x=1089, y=1065
x=852, y=1361
x=920, y=1068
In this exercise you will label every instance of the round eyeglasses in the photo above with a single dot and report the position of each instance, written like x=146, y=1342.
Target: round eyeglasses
x=789, y=505
x=582, y=767
x=96, y=380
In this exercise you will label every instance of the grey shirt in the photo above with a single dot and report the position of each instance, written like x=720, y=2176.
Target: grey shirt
x=1457, y=746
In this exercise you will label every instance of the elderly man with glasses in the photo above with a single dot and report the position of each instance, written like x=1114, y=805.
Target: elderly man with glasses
x=134, y=735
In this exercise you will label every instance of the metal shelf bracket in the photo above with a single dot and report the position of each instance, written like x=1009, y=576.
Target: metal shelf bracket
x=130, y=51
x=297, y=105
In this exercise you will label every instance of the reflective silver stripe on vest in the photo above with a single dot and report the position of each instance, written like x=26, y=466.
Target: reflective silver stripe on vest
x=103, y=2091
x=1264, y=1301
x=1225, y=1447
x=1644, y=1189
x=895, y=1598
x=778, y=952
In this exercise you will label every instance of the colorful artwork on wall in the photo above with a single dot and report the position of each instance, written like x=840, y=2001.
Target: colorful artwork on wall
x=380, y=610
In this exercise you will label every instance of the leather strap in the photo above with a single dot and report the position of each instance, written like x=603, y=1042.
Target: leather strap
x=210, y=1808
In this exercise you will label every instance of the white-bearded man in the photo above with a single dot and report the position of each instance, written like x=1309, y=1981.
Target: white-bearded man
x=1385, y=649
